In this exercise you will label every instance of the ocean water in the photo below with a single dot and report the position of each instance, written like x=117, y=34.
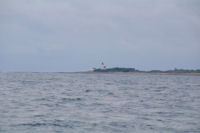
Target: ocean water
x=99, y=103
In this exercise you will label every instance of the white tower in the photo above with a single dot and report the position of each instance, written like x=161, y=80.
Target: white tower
x=102, y=66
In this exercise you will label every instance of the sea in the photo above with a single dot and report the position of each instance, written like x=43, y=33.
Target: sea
x=99, y=103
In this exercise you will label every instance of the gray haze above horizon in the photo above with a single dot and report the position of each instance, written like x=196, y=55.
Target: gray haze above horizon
x=76, y=35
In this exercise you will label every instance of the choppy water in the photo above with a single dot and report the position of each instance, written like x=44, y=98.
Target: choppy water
x=99, y=103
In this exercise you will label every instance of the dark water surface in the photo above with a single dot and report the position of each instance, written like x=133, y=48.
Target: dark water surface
x=99, y=103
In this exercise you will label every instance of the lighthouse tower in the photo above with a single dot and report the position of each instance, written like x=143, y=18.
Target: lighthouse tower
x=103, y=66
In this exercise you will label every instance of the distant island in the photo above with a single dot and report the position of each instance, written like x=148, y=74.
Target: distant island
x=116, y=69
x=119, y=69
x=103, y=68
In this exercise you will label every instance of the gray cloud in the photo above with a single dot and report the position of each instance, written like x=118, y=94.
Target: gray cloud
x=126, y=33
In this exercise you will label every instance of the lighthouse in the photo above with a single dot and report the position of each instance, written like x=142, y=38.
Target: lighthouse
x=103, y=66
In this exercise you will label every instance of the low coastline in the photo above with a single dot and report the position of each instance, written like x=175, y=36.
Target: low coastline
x=122, y=70
x=149, y=73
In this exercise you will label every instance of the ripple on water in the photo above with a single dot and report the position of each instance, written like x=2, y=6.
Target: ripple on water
x=71, y=99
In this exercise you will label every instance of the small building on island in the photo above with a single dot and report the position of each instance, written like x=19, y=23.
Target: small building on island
x=103, y=66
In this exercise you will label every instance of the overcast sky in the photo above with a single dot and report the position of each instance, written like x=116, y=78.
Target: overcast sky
x=76, y=35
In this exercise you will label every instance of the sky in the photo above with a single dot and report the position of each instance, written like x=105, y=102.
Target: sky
x=77, y=35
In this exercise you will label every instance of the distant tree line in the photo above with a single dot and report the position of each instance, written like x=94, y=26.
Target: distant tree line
x=118, y=69
x=176, y=71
